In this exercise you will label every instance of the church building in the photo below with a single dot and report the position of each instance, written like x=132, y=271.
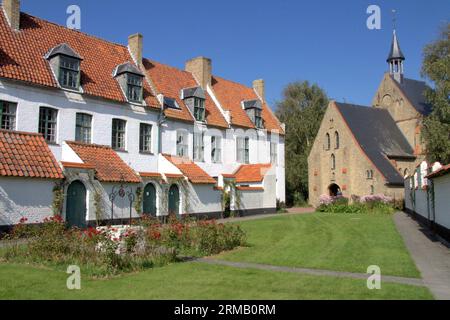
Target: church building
x=362, y=150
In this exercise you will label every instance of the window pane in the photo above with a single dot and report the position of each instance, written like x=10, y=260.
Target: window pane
x=145, y=138
x=47, y=123
x=118, y=134
x=83, y=128
x=69, y=73
x=8, y=115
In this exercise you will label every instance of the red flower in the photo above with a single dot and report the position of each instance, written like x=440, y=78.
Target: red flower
x=23, y=220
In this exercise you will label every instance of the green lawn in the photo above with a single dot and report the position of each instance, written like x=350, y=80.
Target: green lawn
x=327, y=241
x=195, y=281
x=342, y=242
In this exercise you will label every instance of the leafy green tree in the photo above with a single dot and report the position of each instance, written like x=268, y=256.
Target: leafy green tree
x=436, y=67
x=301, y=109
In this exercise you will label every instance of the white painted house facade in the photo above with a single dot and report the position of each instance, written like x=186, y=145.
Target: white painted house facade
x=122, y=135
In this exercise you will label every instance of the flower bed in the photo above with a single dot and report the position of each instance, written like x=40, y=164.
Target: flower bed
x=115, y=249
x=365, y=204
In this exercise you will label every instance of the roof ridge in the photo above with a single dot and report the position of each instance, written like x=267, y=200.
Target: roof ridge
x=168, y=66
x=21, y=132
x=74, y=30
x=82, y=144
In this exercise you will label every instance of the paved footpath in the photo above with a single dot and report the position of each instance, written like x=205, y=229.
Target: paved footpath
x=432, y=258
x=315, y=272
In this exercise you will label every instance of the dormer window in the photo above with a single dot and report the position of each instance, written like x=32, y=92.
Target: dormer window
x=65, y=63
x=131, y=80
x=253, y=108
x=194, y=98
x=134, y=88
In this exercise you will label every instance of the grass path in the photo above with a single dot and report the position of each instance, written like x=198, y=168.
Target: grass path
x=341, y=242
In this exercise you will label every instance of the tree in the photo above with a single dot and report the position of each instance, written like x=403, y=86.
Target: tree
x=436, y=126
x=302, y=110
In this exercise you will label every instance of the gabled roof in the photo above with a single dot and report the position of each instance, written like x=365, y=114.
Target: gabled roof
x=194, y=92
x=108, y=165
x=127, y=67
x=27, y=155
x=193, y=172
x=440, y=172
x=378, y=136
x=231, y=94
x=170, y=82
x=395, y=52
x=251, y=172
x=22, y=57
x=415, y=90
x=63, y=49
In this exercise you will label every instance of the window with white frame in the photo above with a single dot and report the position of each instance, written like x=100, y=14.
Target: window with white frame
x=273, y=153
x=8, y=115
x=118, y=134
x=145, y=138
x=199, y=109
x=182, y=143
x=83, y=127
x=199, y=146
x=69, y=73
x=47, y=123
x=216, y=149
x=134, y=88
x=243, y=150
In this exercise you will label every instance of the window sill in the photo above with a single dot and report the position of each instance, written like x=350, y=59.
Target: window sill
x=147, y=153
x=54, y=144
x=120, y=150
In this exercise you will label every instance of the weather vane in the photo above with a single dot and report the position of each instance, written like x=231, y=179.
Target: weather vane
x=394, y=18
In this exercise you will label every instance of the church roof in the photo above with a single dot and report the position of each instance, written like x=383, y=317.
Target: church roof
x=395, y=52
x=379, y=138
x=414, y=90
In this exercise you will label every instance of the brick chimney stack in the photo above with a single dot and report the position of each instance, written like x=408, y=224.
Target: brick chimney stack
x=135, y=45
x=201, y=68
x=12, y=12
x=259, y=87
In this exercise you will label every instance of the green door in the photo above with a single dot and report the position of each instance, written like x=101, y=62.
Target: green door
x=174, y=200
x=150, y=200
x=76, y=205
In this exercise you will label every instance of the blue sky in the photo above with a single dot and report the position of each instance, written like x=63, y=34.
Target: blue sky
x=322, y=41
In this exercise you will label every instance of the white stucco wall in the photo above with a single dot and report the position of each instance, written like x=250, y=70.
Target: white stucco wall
x=30, y=99
x=442, y=200
x=204, y=199
x=30, y=198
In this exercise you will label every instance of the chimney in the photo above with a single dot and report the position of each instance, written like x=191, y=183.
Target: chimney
x=135, y=46
x=201, y=68
x=12, y=12
x=258, y=86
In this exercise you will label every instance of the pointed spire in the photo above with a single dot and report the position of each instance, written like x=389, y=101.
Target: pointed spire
x=395, y=53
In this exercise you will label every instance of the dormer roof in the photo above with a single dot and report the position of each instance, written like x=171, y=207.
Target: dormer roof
x=127, y=67
x=63, y=49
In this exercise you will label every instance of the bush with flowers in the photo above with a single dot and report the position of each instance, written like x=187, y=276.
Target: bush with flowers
x=114, y=249
x=365, y=204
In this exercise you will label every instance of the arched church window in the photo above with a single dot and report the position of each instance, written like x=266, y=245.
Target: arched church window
x=327, y=141
x=336, y=138
x=333, y=162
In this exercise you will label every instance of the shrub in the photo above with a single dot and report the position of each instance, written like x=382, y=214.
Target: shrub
x=111, y=250
x=369, y=203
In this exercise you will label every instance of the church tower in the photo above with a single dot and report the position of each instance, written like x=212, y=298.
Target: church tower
x=395, y=60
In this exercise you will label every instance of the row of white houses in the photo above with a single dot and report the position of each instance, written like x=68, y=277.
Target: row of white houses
x=95, y=131
x=427, y=198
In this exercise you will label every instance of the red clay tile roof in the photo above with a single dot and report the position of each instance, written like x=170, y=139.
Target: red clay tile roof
x=27, y=155
x=22, y=57
x=230, y=95
x=251, y=172
x=169, y=81
x=150, y=174
x=250, y=188
x=108, y=164
x=77, y=165
x=440, y=172
x=193, y=172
